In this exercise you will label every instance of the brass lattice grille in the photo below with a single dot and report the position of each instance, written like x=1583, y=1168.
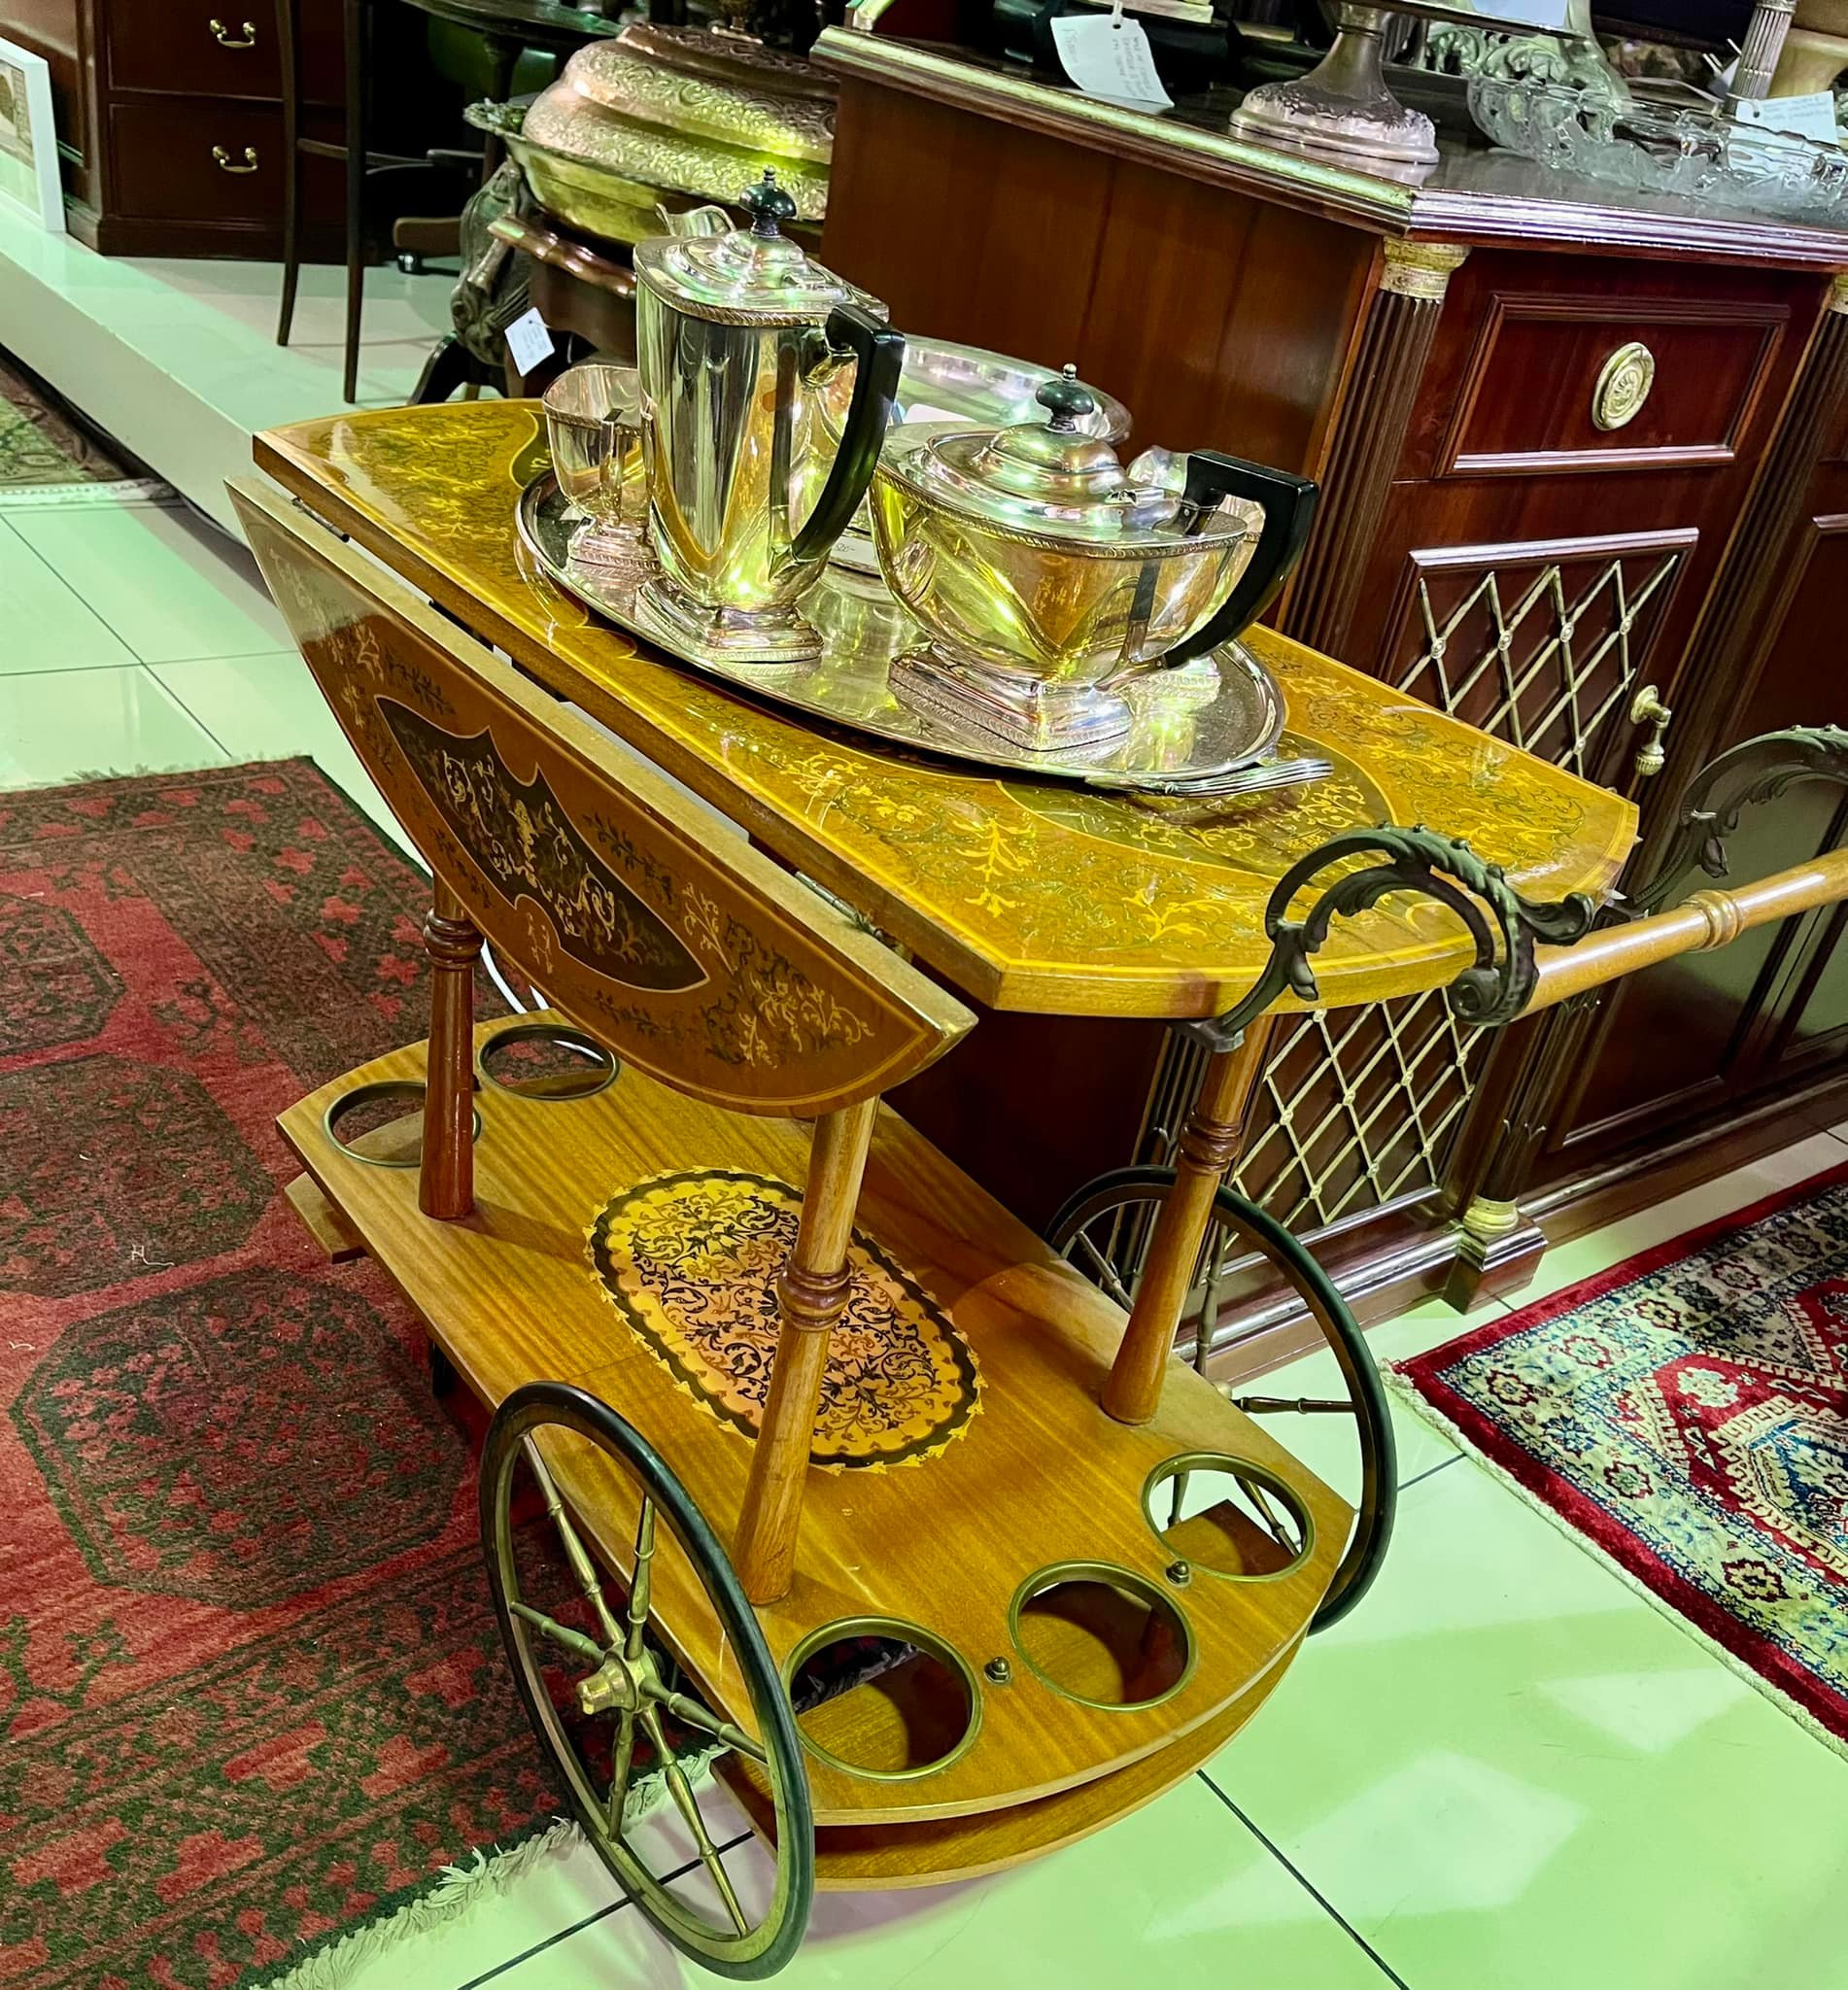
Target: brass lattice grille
x=1357, y=1110
x=1557, y=697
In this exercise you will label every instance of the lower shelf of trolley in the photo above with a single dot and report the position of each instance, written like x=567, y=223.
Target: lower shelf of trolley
x=1041, y=1481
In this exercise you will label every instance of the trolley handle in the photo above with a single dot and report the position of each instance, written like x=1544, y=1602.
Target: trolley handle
x=1531, y=955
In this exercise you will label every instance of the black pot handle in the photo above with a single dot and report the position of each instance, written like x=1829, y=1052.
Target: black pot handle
x=1290, y=509
x=881, y=353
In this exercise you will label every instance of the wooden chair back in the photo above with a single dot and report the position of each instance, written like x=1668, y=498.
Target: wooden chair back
x=691, y=954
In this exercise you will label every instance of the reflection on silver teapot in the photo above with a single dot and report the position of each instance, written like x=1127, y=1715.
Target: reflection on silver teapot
x=738, y=336
x=1045, y=576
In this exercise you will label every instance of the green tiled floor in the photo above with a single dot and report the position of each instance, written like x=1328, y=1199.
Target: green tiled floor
x=48, y=626
x=1506, y=1771
x=166, y=585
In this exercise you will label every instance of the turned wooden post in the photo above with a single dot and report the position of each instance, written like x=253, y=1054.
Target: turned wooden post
x=1210, y=1144
x=445, y=1180
x=813, y=1290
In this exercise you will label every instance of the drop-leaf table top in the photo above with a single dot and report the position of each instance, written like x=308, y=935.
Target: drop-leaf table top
x=1027, y=895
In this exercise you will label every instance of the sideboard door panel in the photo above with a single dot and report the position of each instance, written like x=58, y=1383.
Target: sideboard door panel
x=1486, y=596
x=1688, y=1035
x=1819, y=1029
x=1541, y=644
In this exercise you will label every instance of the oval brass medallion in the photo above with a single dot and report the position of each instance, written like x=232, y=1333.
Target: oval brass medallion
x=691, y=1261
x=1624, y=386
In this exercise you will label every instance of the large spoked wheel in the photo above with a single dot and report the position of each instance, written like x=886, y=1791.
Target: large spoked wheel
x=1107, y=1224
x=606, y=1696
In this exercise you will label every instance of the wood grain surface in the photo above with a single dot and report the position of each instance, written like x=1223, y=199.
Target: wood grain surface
x=691, y=954
x=1039, y=1476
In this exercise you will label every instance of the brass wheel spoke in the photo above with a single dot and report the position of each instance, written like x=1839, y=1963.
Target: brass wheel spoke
x=1107, y=1273
x=623, y=1763
x=1279, y=1532
x=561, y=1635
x=1292, y=1405
x=691, y=1714
x=1209, y=1315
x=639, y=1589
x=582, y=1565
x=688, y=1805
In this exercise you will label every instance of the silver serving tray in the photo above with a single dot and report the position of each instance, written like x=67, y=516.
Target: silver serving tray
x=1202, y=719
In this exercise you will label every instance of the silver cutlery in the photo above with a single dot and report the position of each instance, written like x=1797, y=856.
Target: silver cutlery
x=1258, y=778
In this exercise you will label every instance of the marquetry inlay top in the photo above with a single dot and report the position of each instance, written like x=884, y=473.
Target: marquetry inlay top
x=1027, y=895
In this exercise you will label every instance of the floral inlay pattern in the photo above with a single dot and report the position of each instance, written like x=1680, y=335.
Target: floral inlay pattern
x=522, y=840
x=692, y=1262
x=1027, y=895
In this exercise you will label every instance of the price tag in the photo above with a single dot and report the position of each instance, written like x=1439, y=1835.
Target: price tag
x=528, y=343
x=1108, y=56
x=1810, y=117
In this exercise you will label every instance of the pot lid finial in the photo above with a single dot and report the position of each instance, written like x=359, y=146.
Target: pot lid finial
x=1066, y=402
x=767, y=206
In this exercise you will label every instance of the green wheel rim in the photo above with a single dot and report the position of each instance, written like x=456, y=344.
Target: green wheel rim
x=1131, y=1197
x=740, y=1946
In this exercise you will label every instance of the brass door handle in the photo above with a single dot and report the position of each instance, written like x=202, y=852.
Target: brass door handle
x=1646, y=708
x=1623, y=387
x=225, y=39
x=226, y=164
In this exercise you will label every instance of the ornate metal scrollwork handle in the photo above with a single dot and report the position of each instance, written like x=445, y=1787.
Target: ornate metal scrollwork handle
x=1646, y=708
x=226, y=164
x=1502, y=924
x=225, y=39
x=1744, y=775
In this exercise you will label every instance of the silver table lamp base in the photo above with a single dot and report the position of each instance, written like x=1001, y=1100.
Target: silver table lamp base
x=1343, y=106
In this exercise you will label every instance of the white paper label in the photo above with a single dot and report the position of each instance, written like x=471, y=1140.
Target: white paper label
x=1108, y=58
x=1809, y=117
x=528, y=343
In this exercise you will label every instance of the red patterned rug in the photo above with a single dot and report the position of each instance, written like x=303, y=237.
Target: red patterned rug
x=252, y=1690
x=1686, y=1413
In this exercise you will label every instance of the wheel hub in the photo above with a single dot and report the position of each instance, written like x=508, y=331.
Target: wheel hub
x=617, y=1686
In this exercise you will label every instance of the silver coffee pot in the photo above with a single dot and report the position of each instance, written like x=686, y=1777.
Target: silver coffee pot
x=737, y=334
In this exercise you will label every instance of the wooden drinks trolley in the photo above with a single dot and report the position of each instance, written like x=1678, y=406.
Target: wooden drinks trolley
x=815, y=1422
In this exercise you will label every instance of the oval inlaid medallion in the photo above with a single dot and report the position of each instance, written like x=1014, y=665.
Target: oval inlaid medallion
x=691, y=1261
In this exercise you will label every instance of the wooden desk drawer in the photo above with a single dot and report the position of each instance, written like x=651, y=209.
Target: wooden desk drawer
x=1560, y=382
x=221, y=49
x=166, y=164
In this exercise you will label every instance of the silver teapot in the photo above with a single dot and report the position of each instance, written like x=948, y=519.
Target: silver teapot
x=738, y=336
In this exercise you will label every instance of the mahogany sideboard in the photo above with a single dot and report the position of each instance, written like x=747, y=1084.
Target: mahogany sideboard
x=169, y=121
x=1584, y=459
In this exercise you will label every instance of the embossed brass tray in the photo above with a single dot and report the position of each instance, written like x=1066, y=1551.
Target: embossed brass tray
x=1189, y=724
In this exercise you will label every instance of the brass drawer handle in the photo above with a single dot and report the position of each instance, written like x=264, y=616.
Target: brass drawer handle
x=1624, y=386
x=1646, y=708
x=225, y=39
x=226, y=164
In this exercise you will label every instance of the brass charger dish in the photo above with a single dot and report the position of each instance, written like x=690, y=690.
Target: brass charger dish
x=1187, y=725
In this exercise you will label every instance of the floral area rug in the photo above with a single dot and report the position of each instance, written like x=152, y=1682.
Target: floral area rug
x=1686, y=1413
x=47, y=456
x=251, y=1695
